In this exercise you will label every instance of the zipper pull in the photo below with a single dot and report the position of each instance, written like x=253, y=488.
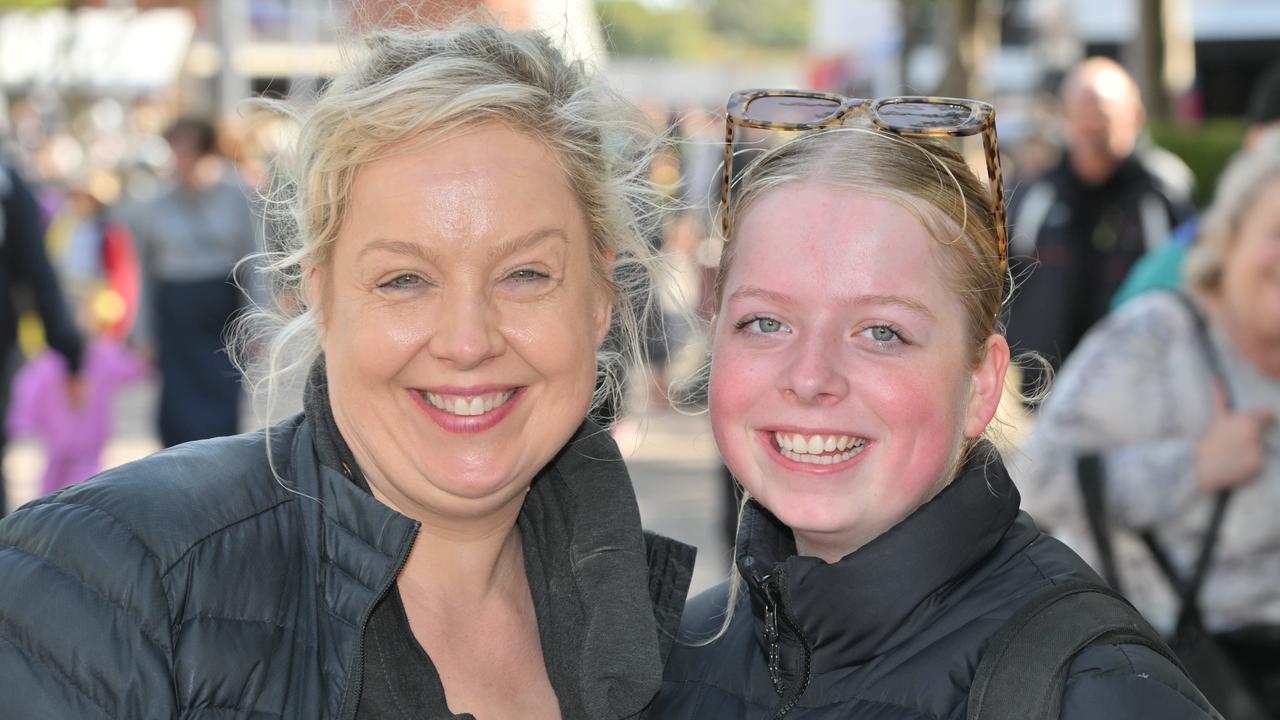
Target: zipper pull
x=768, y=585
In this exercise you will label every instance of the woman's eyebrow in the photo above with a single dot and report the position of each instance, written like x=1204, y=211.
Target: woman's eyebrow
x=399, y=247
x=426, y=252
x=527, y=240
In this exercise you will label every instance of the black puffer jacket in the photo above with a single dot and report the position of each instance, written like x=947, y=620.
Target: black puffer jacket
x=192, y=585
x=897, y=628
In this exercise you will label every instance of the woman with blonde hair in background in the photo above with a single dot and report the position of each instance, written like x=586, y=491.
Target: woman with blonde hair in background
x=441, y=533
x=857, y=362
x=1171, y=403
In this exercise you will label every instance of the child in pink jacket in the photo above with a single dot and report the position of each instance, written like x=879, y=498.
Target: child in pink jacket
x=73, y=435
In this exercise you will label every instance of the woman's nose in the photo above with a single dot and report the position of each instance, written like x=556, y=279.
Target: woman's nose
x=816, y=373
x=468, y=331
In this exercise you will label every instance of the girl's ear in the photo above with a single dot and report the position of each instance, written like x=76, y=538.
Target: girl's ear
x=987, y=386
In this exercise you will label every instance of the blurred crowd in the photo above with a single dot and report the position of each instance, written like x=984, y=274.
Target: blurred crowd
x=1154, y=450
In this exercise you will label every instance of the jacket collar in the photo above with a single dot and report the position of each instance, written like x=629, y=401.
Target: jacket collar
x=882, y=594
x=607, y=598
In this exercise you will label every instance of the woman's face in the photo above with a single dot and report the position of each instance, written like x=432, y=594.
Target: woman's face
x=461, y=312
x=1251, y=269
x=841, y=384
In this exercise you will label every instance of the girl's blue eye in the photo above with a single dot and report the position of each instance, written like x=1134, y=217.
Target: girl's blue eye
x=763, y=325
x=883, y=333
x=768, y=325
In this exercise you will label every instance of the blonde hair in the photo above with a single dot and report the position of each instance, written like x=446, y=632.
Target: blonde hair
x=1244, y=180
x=415, y=86
x=929, y=180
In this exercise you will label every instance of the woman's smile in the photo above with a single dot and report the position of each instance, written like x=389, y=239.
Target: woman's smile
x=464, y=412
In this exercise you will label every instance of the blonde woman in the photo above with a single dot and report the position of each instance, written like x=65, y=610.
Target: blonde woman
x=856, y=365
x=441, y=533
x=1170, y=432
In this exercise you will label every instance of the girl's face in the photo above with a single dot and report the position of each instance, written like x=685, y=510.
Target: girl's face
x=841, y=381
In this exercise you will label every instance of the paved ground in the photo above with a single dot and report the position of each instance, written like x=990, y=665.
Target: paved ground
x=671, y=456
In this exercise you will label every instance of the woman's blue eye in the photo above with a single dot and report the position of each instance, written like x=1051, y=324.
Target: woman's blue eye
x=527, y=275
x=403, y=281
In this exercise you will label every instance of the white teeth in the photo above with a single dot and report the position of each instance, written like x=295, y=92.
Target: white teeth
x=818, y=449
x=468, y=406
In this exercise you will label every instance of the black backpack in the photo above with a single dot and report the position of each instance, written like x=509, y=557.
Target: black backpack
x=1023, y=671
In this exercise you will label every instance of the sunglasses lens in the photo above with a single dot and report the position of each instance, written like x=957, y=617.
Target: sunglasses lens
x=791, y=109
x=918, y=115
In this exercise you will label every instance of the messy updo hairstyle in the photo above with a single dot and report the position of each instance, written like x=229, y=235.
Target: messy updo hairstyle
x=417, y=86
x=930, y=180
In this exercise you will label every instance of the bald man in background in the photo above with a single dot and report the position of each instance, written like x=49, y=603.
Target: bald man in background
x=1076, y=231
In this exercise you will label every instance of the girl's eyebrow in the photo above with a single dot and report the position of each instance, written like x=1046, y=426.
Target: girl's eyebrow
x=908, y=303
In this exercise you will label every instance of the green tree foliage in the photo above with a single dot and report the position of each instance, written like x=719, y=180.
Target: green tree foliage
x=32, y=4
x=779, y=24
x=696, y=29
x=633, y=28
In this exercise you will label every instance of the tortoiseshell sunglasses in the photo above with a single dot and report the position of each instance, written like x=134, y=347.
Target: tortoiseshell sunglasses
x=801, y=110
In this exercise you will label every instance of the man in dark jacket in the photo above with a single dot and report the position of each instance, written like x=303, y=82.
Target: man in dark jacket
x=25, y=268
x=1078, y=230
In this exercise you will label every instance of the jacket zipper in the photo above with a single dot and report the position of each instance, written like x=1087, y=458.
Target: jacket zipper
x=351, y=703
x=771, y=588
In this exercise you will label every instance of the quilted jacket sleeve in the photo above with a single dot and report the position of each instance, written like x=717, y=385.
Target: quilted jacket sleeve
x=1120, y=682
x=85, y=626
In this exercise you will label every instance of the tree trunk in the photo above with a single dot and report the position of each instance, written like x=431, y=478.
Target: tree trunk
x=910, y=17
x=1164, y=56
x=971, y=32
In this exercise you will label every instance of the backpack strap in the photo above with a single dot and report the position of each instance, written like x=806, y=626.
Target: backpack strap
x=1023, y=670
x=1188, y=589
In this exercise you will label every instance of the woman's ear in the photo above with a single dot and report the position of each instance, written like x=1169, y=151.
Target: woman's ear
x=986, y=386
x=313, y=281
x=603, y=317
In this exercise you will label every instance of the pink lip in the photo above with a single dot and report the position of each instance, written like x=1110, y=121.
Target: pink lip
x=467, y=425
x=765, y=438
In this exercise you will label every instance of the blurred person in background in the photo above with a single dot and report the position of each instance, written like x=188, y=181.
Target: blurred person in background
x=189, y=240
x=26, y=267
x=1161, y=269
x=1170, y=431
x=441, y=533
x=1077, y=231
x=94, y=257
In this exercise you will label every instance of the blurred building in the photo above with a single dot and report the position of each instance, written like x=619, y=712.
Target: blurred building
x=866, y=44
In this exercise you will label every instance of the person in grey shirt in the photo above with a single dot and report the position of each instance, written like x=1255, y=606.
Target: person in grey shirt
x=189, y=240
x=1140, y=395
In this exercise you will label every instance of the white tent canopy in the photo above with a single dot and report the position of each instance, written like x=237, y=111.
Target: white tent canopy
x=93, y=50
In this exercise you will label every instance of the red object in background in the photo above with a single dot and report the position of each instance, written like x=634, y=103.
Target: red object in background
x=120, y=264
x=827, y=74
